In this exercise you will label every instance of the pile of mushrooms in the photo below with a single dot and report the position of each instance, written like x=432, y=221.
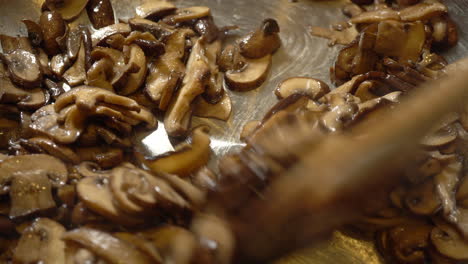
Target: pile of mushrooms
x=72, y=98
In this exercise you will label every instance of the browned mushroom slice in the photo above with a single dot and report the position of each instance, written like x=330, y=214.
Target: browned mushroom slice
x=24, y=68
x=343, y=37
x=449, y=242
x=124, y=181
x=230, y=59
x=124, y=115
x=76, y=74
x=160, y=30
x=100, y=73
x=311, y=87
x=59, y=63
x=53, y=27
x=422, y=11
x=446, y=183
x=100, y=13
x=141, y=244
x=106, y=246
x=186, y=158
x=26, y=99
x=34, y=32
x=207, y=28
x=408, y=241
x=41, y=242
x=86, y=98
x=166, y=72
x=10, y=44
x=68, y=9
x=43, y=62
x=178, y=116
x=95, y=193
x=188, y=13
x=155, y=10
x=423, y=199
x=192, y=193
x=135, y=80
x=91, y=169
x=106, y=157
x=45, y=122
x=439, y=138
x=214, y=91
x=251, y=76
x=60, y=151
x=30, y=192
x=221, y=110
x=99, y=36
x=262, y=42
x=53, y=168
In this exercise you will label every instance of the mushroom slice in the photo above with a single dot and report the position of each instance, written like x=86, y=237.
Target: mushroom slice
x=123, y=181
x=262, y=42
x=25, y=99
x=135, y=80
x=408, y=241
x=188, y=13
x=198, y=73
x=155, y=10
x=441, y=137
x=446, y=183
x=422, y=11
x=106, y=157
x=99, y=36
x=186, y=158
x=91, y=169
x=96, y=195
x=251, y=76
x=221, y=110
x=24, y=68
x=207, y=28
x=45, y=121
x=230, y=59
x=423, y=199
x=87, y=97
x=30, y=192
x=100, y=13
x=193, y=194
x=53, y=27
x=41, y=242
x=52, y=167
x=68, y=9
x=127, y=116
x=146, y=41
x=99, y=74
x=34, y=32
x=76, y=74
x=311, y=87
x=106, y=246
x=50, y=147
x=160, y=30
x=449, y=242
x=141, y=244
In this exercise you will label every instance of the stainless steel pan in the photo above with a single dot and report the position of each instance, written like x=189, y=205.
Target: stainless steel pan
x=301, y=55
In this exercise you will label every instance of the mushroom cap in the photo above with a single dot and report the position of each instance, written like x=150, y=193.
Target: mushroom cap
x=53, y=167
x=251, y=76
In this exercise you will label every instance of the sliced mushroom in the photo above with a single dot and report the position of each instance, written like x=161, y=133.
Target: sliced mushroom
x=446, y=183
x=68, y=9
x=99, y=74
x=105, y=157
x=96, y=195
x=230, y=59
x=106, y=246
x=439, y=138
x=52, y=167
x=166, y=72
x=59, y=63
x=159, y=30
x=449, y=242
x=41, y=242
x=34, y=32
x=30, y=192
x=423, y=199
x=48, y=146
x=146, y=41
x=53, y=27
x=262, y=42
x=186, y=158
x=178, y=116
x=124, y=181
x=24, y=68
x=193, y=194
x=86, y=98
x=100, y=13
x=207, y=28
x=251, y=76
x=311, y=87
x=135, y=80
x=26, y=99
x=141, y=244
x=99, y=36
x=408, y=241
x=221, y=110
x=91, y=169
x=186, y=14
x=45, y=121
x=76, y=74
x=155, y=10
